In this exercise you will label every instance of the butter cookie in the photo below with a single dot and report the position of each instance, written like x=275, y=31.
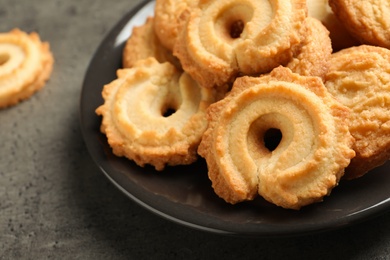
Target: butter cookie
x=154, y=114
x=143, y=43
x=359, y=77
x=368, y=20
x=311, y=57
x=282, y=136
x=167, y=15
x=225, y=38
x=26, y=64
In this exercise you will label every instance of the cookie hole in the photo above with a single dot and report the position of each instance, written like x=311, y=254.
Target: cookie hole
x=4, y=57
x=272, y=138
x=236, y=28
x=168, y=112
x=231, y=21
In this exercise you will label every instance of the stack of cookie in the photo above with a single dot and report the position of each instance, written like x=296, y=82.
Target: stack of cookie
x=255, y=88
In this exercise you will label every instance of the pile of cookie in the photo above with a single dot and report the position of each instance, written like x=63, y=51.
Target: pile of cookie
x=263, y=90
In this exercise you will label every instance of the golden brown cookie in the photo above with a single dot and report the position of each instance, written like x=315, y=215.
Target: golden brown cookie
x=282, y=136
x=368, y=20
x=311, y=57
x=25, y=65
x=167, y=25
x=143, y=44
x=341, y=38
x=154, y=114
x=224, y=38
x=359, y=77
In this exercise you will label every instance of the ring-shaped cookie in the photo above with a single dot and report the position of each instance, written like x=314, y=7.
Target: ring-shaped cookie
x=221, y=39
x=154, y=114
x=281, y=136
x=25, y=65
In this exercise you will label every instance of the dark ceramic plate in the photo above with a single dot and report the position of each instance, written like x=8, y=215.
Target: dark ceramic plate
x=184, y=194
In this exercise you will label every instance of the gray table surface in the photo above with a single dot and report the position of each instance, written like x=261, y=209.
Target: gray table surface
x=54, y=201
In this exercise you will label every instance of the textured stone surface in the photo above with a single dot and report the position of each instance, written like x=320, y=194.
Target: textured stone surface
x=54, y=202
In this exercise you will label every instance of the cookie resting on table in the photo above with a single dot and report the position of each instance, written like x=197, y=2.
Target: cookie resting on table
x=26, y=64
